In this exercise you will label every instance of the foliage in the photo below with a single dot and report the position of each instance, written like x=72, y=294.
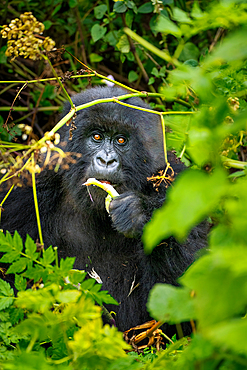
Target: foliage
x=58, y=315
x=194, y=56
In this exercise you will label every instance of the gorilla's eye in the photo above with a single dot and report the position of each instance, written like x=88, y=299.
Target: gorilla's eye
x=97, y=137
x=121, y=140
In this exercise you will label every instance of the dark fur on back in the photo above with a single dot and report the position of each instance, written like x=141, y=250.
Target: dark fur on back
x=82, y=228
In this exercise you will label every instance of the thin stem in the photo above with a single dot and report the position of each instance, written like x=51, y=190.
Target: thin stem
x=233, y=163
x=11, y=108
x=164, y=136
x=182, y=153
x=58, y=80
x=25, y=109
x=32, y=342
x=45, y=79
x=151, y=47
x=179, y=48
x=36, y=204
x=56, y=257
x=117, y=100
x=6, y=196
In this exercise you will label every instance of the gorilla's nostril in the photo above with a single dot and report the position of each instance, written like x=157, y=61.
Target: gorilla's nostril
x=110, y=162
x=102, y=161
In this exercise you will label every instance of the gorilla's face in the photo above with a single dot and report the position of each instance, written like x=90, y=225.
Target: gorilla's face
x=107, y=149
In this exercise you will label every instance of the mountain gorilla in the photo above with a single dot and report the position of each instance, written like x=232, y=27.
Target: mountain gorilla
x=122, y=146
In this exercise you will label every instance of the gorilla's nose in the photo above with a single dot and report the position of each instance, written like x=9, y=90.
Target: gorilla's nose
x=106, y=163
x=106, y=160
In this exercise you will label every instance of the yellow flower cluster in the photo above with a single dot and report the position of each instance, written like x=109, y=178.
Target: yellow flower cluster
x=24, y=37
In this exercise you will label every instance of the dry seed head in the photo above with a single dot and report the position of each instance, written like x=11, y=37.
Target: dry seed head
x=23, y=37
x=28, y=129
x=57, y=139
x=43, y=149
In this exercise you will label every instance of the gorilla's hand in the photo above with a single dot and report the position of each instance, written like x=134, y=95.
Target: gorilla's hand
x=128, y=215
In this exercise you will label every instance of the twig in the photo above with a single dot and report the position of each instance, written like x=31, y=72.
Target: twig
x=219, y=33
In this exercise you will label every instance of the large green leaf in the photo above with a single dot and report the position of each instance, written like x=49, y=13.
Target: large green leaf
x=219, y=280
x=171, y=304
x=194, y=195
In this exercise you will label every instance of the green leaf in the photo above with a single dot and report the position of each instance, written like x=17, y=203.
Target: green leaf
x=180, y=16
x=132, y=76
x=88, y=284
x=10, y=257
x=48, y=256
x=100, y=10
x=6, y=295
x=112, y=38
x=97, y=32
x=17, y=242
x=122, y=58
x=36, y=273
x=16, y=314
x=164, y=25
x=77, y=276
x=131, y=5
x=47, y=24
x=129, y=17
x=66, y=265
x=199, y=145
x=215, y=277
x=5, y=302
x=72, y=3
x=190, y=51
x=31, y=248
x=35, y=300
x=5, y=246
x=5, y=288
x=17, y=266
x=177, y=135
x=68, y=296
x=171, y=304
x=103, y=297
x=231, y=335
x=56, y=10
x=146, y=8
x=119, y=7
x=194, y=195
x=155, y=72
x=13, y=247
x=20, y=282
x=196, y=11
x=95, y=58
x=49, y=92
x=191, y=62
x=3, y=57
x=123, y=44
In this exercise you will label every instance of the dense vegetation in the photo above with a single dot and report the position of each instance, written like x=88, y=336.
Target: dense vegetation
x=191, y=57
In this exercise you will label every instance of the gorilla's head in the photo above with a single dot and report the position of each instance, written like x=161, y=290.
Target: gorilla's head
x=119, y=144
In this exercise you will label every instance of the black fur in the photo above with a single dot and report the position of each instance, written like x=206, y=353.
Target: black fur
x=79, y=227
